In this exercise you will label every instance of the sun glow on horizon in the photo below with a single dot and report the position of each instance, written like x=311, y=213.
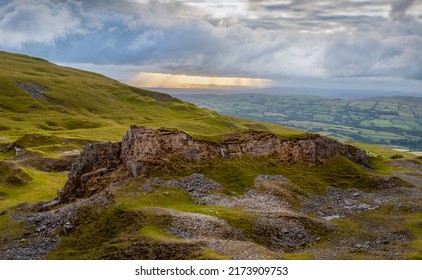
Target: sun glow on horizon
x=160, y=80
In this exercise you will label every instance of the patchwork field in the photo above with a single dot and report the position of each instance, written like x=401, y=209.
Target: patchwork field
x=390, y=121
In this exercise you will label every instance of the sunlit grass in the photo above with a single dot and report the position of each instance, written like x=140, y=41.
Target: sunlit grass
x=42, y=187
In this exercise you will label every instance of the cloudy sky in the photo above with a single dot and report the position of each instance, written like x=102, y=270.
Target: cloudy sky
x=350, y=44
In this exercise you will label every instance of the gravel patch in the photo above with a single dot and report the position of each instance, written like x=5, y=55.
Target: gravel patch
x=199, y=226
x=34, y=90
x=48, y=227
x=264, y=197
x=283, y=233
x=242, y=250
x=338, y=203
x=197, y=185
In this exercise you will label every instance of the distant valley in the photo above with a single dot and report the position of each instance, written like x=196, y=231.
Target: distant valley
x=391, y=121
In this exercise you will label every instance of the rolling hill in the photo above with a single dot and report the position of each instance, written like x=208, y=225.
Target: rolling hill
x=39, y=97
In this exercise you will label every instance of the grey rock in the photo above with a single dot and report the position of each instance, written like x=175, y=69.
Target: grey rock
x=34, y=90
x=142, y=148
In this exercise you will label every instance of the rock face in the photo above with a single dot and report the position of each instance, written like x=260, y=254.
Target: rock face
x=88, y=174
x=142, y=148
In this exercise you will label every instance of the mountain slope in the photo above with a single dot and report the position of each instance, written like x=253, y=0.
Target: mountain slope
x=48, y=113
x=39, y=97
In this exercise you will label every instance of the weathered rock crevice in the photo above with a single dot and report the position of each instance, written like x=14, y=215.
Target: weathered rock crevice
x=88, y=174
x=142, y=148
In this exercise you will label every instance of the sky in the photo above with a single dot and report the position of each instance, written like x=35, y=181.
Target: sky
x=355, y=44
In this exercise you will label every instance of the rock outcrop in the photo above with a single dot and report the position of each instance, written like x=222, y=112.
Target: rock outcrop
x=142, y=148
x=89, y=173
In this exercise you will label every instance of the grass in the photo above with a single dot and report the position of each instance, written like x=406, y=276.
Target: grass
x=380, y=152
x=84, y=107
x=237, y=174
x=392, y=219
x=129, y=222
x=105, y=225
x=11, y=229
x=297, y=256
x=381, y=167
x=154, y=232
x=42, y=187
x=414, y=224
x=135, y=217
x=177, y=199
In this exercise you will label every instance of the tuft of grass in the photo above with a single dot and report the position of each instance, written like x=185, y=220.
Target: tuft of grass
x=381, y=166
x=12, y=176
x=42, y=187
x=297, y=256
x=154, y=232
x=11, y=229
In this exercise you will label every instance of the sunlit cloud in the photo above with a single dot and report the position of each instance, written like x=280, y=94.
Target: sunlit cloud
x=159, y=80
x=213, y=42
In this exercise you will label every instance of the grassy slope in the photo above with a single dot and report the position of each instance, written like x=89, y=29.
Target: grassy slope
x=91, y=106
x=82, y=107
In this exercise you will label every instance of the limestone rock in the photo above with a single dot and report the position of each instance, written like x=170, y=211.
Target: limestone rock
x=89, y=172
x=142, y=148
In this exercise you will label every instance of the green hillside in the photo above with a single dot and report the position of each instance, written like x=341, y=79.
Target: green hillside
x=51, y=112
x=393, y=121
x=39, y=97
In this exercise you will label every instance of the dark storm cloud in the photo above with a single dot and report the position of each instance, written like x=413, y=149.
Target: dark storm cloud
x=399, y=8
x=238, y=38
